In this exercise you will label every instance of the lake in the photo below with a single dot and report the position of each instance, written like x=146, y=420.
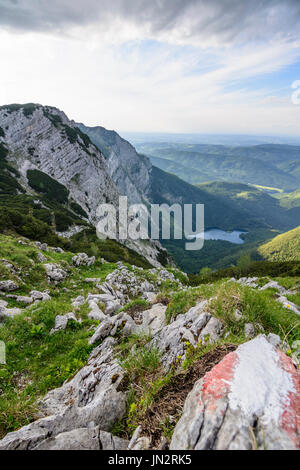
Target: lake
x=217, y=234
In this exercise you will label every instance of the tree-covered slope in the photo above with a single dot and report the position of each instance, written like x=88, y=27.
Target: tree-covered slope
x=266, y=165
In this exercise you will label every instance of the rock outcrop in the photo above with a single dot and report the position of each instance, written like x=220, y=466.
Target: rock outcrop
x=90, y=401
x=251, y=399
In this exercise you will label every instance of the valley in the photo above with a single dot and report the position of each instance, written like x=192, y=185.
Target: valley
x=103, y=340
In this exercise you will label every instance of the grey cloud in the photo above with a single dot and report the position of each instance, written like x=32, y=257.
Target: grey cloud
x=189, y=20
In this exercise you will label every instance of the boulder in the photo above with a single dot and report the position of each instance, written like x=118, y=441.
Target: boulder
x=82, y=259
x=3, y=314
x=95, y=312
x=288, y=304
x=8, y=286
x=248, y=281
x=149, y=297
x=251, y=399
x=195, y=326
x=112, y=307
x=40, y=257
x=111, y=325
x=39, y=296
x=61, y=322
x=80, y=300
x=21, y=298
x=153, y=320
x=274, y=285
x=55, y=273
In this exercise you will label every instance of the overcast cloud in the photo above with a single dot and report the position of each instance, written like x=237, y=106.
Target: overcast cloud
x=156, y=65
x=188, y=21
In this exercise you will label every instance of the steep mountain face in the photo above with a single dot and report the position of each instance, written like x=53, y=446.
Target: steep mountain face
x=42, y=151
x=44, y=139
x=129, y=171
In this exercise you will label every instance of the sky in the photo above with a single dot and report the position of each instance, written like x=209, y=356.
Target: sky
x=194, y=66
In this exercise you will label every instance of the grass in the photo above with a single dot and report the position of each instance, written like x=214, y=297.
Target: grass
x=36, y=361
x=284, y=247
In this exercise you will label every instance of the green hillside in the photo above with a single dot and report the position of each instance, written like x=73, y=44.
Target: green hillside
x=284, y=247
x=290, y=200
x=266, y=165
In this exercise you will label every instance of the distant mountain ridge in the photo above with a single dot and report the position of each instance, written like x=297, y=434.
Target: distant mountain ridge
x=268, y=165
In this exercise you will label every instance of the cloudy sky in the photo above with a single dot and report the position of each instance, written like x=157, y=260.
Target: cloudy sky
x=203, y=66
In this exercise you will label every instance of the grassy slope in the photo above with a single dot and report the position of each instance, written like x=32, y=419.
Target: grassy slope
x=38, y=362
x=290, y=200
x=284, y=247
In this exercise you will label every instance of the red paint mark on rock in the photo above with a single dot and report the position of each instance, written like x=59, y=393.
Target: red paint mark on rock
x=216, y=383
x=290, y=419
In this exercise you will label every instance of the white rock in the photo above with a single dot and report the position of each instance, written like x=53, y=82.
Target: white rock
x=61, y=322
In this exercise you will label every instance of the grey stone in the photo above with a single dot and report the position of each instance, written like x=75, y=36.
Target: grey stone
x=187, y=328
x=83, y=439
x=274, y=285
x=61, y=322
x=82, y=259
x=8, y=286
x=55, y=273
x=288, y=304
x=249, y=330
x=40, y=296
x=21, y=298
x=153, y=320
x=91, y=399
x=112, y=307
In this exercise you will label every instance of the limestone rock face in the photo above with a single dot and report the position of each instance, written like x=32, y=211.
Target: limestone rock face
x=83, y=439
x=129, y=170
x=251, y=399
x=70, y=161
x=61, y=322
x=195, y=326
x=46, y=140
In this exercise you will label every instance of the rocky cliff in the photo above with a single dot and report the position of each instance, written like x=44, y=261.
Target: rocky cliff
x=130, y=171
x=41, y=140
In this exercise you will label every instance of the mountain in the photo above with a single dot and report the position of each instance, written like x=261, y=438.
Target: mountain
x=228, y=206
x=289, y=200
x=52, y=169
x=129, y=171
x=284, y=247
x=255, y=204
x=58, y=173
x=275, y=166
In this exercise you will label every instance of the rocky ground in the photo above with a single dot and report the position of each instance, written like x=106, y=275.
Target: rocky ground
x=112, y=356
